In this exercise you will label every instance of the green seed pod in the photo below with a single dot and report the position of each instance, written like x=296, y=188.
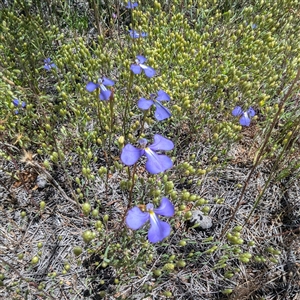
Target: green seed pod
x=200, y=202
x=182, y=207
x=95, y=213
x=244, y=259
x=40, y=245
x=257, y=259
x=228, y=274
x=227, y=291
x=35, y=260
x=77, y=250
x=205, y=209
x=87, y=236
x=188, y=215
x=157, y=273
x=23, y=214
x=240, y=241
x=86, y=208
x=169, y=267
x=181, y=264
x=42, y=205
x=20, y=256
x=105, y=218
x=168, y=294
x=238, y=228
x=276, y=252
x=192, y=198
x=171, y=258
x=182, y=243
x=98, y=225
x=212, y=249
x=251, y=243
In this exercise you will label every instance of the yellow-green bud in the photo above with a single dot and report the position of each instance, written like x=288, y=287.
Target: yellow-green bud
x=86, y=208
x=35, y=260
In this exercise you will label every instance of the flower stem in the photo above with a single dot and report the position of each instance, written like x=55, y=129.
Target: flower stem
x=126, y=111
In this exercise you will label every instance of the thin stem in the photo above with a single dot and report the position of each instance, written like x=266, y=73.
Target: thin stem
x=126, y=111
x=275, y=166
x=111, y=108
x=96, y=14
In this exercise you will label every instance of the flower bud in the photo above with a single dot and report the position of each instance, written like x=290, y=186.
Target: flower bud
x=77, y=250
x=35, y=260
x=86, y=208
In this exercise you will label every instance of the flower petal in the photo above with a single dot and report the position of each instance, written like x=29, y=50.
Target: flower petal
x=158, y=229
x=134, y=34
x=149, y=72
x=251, y=112
x=162, y=96
x=47, y=60
x=161, y=143
x=144, y=103
x=157, y=163
x=237, y=111
x=136, y=218
x=245, y=120
x=107, y=81
x=166, y=208
x=47, y=67
x=15, y=102
x=23, y=104
x=136, y=69
x=131, y=5
x=91, y=86
x=53, y=66
x=130, y=155
x=141, y=58
x=161, y=112
x=104, y=94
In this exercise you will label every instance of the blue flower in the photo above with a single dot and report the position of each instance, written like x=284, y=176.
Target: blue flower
x=156, y=163
x=102, y=83
x=139, y=66
x=16, y=103
x=159, y=230
x=245, y=115
x=161, y=112
x=253, y=26
x=131, y=5
x=48, y=65
x=134, y=34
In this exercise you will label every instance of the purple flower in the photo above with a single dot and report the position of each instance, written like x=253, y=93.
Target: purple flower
x=156, y=163
x=158, y=229
x=245, y=115
x=102, y=83
x=253, y=26
x=48, y=65
x=134, y=34
x=131, y=5
x=161, y=112
x=16, y=103
x=139, y=66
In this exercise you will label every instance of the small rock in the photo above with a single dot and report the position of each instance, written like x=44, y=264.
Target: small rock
x=41, y=180
x=198, y=217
